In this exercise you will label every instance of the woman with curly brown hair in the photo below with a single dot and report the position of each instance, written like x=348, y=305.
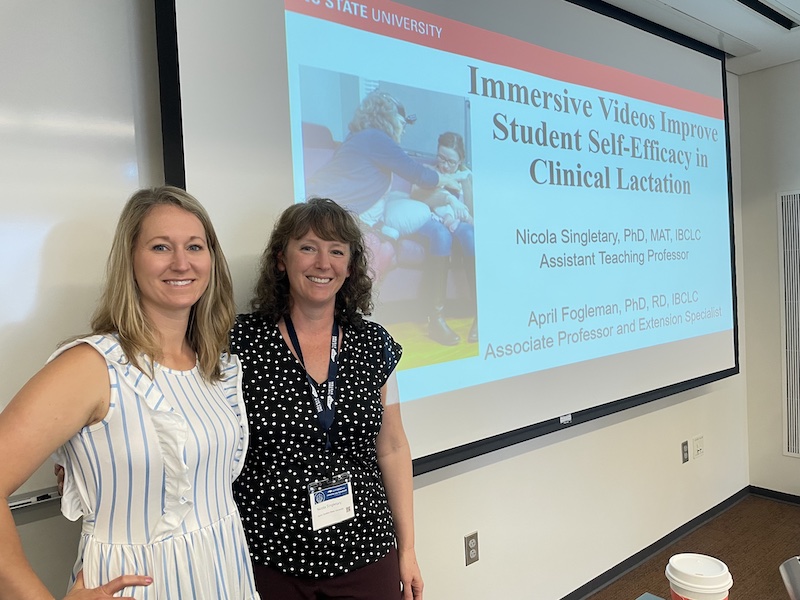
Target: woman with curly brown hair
x=326, y=493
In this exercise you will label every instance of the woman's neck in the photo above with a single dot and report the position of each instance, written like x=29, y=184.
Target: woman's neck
x=313, y=329
x=176, y=352
x=310, y=320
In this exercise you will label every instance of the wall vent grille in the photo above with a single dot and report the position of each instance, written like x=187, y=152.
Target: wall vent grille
x=789, y=250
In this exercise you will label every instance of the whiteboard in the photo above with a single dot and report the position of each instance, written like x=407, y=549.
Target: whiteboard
x=77, y=117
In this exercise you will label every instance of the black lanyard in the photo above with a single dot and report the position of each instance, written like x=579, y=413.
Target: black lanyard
x=325, y=413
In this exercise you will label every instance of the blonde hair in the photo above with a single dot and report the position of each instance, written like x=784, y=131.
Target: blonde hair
x=120, y=311
x=379, y=110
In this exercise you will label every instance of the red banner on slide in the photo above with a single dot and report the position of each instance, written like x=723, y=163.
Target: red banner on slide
x=405, y=23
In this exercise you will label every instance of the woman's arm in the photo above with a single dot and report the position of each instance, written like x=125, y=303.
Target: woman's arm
x=449, y=181
x=394, y=461
x=388, y=154
x=68, y=393
x=466, y=188
x=433, y=198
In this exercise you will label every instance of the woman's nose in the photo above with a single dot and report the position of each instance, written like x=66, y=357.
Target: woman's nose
x=323, y=262
x=180, y=261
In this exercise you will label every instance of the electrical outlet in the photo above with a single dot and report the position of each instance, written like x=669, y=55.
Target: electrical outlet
x=685, y=451
x=471, y=548
x=698, y=446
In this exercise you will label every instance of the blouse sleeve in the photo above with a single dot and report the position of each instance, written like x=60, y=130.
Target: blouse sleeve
x=392, y=352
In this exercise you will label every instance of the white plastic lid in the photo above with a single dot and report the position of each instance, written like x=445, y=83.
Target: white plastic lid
x=699, y=573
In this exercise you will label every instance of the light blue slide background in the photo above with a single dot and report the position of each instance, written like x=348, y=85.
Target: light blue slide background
x=511, y=281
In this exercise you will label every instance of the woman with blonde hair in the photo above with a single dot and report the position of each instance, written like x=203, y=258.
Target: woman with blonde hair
x=145, y=414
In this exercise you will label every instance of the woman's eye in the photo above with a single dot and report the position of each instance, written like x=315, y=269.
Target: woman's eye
x=160, y=247
x=196, y=248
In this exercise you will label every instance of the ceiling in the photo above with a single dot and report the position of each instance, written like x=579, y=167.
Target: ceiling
x=752, y=41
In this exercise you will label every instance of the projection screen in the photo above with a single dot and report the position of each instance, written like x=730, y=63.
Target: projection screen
x=591, y=248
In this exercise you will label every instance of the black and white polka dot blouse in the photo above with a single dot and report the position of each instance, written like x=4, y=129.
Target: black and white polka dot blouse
x=287, y=451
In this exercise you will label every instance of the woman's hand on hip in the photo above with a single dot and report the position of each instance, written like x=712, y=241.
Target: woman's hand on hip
x=107, y=590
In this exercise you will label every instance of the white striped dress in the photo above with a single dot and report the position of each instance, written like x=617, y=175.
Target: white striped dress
x=152, y=482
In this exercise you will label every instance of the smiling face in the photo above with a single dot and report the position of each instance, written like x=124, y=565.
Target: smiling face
x=171, y=262
x=316, y=270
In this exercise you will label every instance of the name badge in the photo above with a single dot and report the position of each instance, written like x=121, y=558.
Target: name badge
x=331, y=501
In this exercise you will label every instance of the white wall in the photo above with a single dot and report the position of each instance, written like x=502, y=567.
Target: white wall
x=557, y=512
x=771, y=164
x=552, y=513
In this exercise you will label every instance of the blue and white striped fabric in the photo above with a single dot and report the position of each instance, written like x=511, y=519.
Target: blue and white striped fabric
x=152, y=482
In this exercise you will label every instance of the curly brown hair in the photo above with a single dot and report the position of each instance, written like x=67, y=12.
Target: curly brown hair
x=331, y=222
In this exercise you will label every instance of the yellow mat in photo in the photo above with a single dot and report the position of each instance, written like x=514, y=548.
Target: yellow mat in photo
x=420, y=350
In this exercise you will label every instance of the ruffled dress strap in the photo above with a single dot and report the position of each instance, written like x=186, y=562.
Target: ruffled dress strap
x=171, y=431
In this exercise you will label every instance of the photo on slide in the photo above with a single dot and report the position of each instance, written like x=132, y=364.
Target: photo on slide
x=379, y=148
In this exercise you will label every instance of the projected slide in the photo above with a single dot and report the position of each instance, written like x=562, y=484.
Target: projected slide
x=590, y=216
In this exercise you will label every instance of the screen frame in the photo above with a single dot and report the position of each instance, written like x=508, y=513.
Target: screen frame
x=175, y=174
